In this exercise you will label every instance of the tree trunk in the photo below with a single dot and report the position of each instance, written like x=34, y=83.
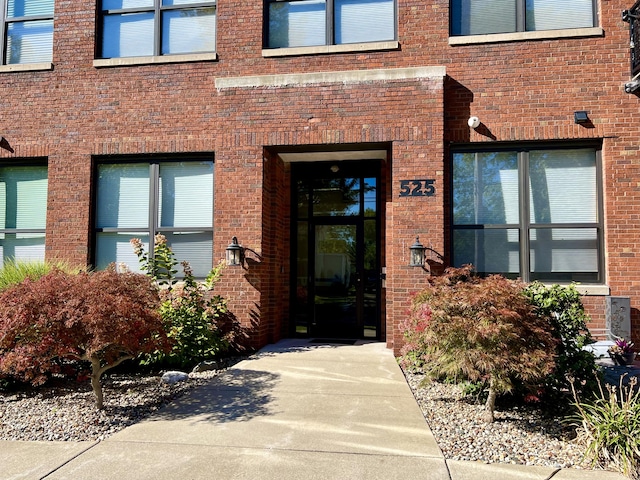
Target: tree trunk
x=96, y=373
x=490, y=405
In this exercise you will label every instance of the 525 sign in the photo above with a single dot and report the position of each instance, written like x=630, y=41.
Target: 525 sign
x=417, y=188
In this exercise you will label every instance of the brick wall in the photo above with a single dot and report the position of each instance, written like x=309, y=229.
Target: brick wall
x=524, y=90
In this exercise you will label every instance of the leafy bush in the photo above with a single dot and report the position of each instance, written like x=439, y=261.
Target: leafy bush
x=562, y=307
x=15, y=271
x=101, y=317
x=611, y=424
x=190, y=312
x=479, y=329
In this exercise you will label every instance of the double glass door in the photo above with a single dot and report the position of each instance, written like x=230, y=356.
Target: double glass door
x=337, y=266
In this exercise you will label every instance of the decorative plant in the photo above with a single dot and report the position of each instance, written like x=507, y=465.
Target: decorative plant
x=466, y=327
x=561, y=306
x=161, y=265
x=100, y=317
x=191, y=313
x=610, y=427
x=621, y=347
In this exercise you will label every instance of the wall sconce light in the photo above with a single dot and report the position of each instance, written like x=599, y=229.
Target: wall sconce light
x=234, y=253
x=580, y=117
x=417, y=254
x=473, y=122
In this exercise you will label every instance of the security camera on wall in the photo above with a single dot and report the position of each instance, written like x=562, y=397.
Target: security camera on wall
x=473, y=122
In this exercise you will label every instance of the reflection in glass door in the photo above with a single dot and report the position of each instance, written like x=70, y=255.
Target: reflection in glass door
x=336, y=254
x=336, y=280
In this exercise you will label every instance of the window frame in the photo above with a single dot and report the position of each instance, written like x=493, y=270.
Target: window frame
x=521, y=21
x=329, y=26
x=5, y=21
x=155, y=200
x=39, y=163
x=525, y=226
x=157, y=10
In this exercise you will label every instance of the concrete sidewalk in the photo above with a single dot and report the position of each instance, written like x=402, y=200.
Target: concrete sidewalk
x=295, y=410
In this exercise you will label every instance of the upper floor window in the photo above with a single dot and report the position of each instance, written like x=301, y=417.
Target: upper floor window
x=139, y=28
x=479, y=17
x=27, y=31
x=23, y=212
x=306, y=23
x=534, y=213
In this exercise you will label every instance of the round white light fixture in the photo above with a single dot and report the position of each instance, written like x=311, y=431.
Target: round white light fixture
x=473, y=122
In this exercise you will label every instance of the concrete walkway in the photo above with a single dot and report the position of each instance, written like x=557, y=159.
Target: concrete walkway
x=295, y=410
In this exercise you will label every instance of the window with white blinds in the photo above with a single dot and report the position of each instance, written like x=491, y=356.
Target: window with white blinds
x=479, y=17
x=23, y=212
x=140, y=200
x=28, y=27
x=530, y=213
x=304, y=23
x=132, y=28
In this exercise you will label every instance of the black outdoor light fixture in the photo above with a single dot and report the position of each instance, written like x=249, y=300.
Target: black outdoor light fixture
x=580, y=117
x=417, y=254
x=234, y=253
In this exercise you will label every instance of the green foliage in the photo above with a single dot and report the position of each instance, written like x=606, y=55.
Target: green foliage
x=191, y=313
x=15, y=271
x=99, y=317
x=161, y=265
x=479, y=329
x=611, y=425
x=562, y=307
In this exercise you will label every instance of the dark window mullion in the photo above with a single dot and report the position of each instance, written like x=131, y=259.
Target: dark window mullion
x=600, y=218
x=521, y=9
x=525, y=226
x=330, y=23
x=3, y=32
x=154, y=201
x=157, y=29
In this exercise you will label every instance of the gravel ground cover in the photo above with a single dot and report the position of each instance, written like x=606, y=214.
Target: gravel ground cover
x=519, y=435
x=67, y=412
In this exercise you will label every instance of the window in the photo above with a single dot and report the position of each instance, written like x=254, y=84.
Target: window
x=137, y=28
x=534, y=214
x=478, y=17
x=27, y=31
x=306, y=23
x=138, y=199
x=23, y=212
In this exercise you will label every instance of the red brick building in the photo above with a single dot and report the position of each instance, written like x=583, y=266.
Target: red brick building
x=326, y=135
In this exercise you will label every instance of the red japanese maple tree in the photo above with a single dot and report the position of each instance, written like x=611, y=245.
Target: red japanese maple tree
x=102, y=317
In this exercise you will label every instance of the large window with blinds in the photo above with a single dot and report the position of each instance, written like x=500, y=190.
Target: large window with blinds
x=23, y=212
x=135, y=28
x=306, y=23
x=27, y=31
x=479, y=17
x=168, y=196
x=533, y=213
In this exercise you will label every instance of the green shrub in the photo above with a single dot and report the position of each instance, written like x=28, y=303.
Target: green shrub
x=15, y=271
x=479, y=329
x=611, y=425
x=192, y=314
x=562, y=307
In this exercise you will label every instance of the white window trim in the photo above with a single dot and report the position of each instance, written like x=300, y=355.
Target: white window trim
x=324, y=49
x=150, y=60
x=525, y=36
x=26, y=67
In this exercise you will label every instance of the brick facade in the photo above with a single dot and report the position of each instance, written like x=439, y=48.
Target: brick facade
x=246, y=107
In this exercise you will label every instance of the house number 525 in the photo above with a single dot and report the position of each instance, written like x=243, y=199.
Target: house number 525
x=417, y=188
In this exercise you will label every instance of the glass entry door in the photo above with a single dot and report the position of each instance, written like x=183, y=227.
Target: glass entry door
x=336, y=254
